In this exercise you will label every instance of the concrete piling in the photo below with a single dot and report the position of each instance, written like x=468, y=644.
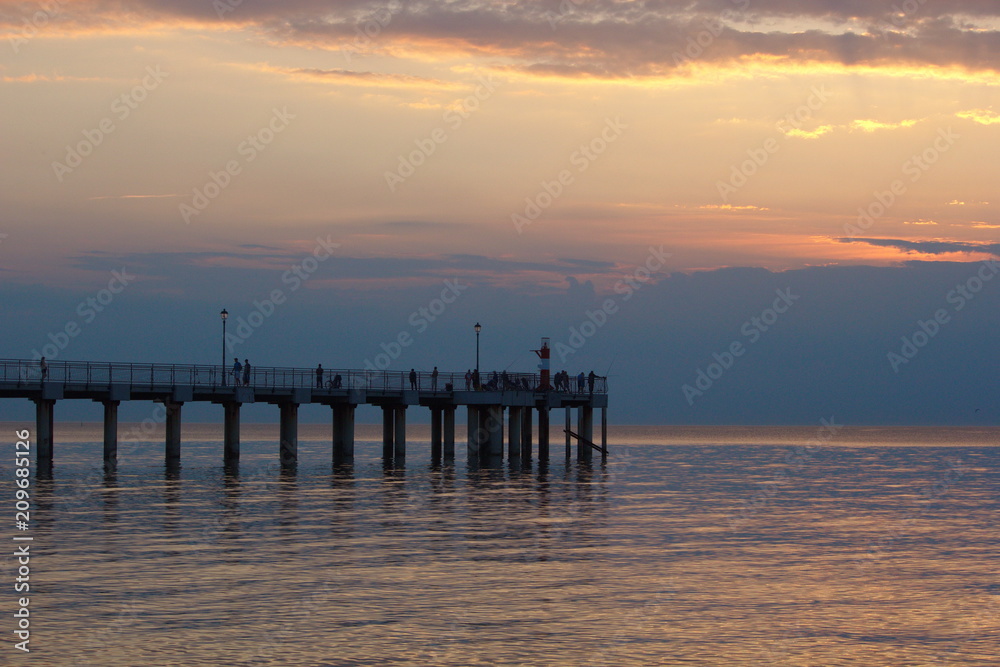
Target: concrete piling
x=288, y=449
x=449, y=434
x=110, y=432
x=44, y=415
x=343, y=434
x=231, y=431
x=543, y=433
x=173, y=431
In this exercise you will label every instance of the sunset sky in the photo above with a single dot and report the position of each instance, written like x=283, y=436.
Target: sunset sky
x=536, y=148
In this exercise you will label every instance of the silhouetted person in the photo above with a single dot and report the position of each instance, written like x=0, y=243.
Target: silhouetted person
x=579, y=383
x=468, y=379
x=413, y=379
x=319, y=376
x=246, y=372
x=43, y=366
x=434, y=379
x=590, y=381
x=236, y=371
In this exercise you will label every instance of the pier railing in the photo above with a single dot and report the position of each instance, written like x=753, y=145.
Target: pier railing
x=21, y=372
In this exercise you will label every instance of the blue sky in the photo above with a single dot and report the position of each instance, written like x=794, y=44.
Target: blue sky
x=665, y=168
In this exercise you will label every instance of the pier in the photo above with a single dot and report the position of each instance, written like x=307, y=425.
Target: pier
x=517, y=396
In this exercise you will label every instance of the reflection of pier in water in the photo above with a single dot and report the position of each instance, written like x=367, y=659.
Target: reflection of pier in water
x=518, y=396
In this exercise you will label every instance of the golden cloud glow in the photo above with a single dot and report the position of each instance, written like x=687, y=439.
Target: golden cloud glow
x=135, y=196
x=810, y=134
x=44, y=78
x=730, y=207
x=868, y=125
x=355, y=78
x=981, y=116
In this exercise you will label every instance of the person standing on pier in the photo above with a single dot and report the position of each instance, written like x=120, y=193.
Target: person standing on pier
x=579, y=383
x=236, y=371
x=434, y=379
x=468, y=380
x=43, y=366
x=246, y=372
x=413, y=378
x=319, y=376
x=590, y=381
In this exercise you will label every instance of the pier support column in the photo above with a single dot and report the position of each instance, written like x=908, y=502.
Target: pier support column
x=173, y=427
x=110, y=432
x=231, y=431
x=343, y=434
x=494, y=427
x=543, y=433
x=585, y=429
x=288, y=450
x=388, y=432
x=526, y=434
x=449, y=434
x=399, y=446
x=604, y=428
x=44, y=413
x=569, y=425
x=436, y=435
x=514, y=433
x=477, y=434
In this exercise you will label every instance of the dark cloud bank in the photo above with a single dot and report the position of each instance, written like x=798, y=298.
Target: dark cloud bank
x=819, y=347
x=603, y=38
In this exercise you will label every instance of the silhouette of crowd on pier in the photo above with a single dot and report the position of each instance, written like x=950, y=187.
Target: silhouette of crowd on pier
x=243, y=374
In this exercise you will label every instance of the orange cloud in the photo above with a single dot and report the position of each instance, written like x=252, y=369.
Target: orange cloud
x=981, y=116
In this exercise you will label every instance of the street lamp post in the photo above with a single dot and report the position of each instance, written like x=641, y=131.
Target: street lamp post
x=478, y=328
x=224, y=315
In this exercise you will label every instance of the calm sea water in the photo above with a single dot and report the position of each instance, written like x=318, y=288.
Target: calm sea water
x=691, y=546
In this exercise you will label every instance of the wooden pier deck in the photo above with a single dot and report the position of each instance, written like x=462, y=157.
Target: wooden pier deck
x=519, y=395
